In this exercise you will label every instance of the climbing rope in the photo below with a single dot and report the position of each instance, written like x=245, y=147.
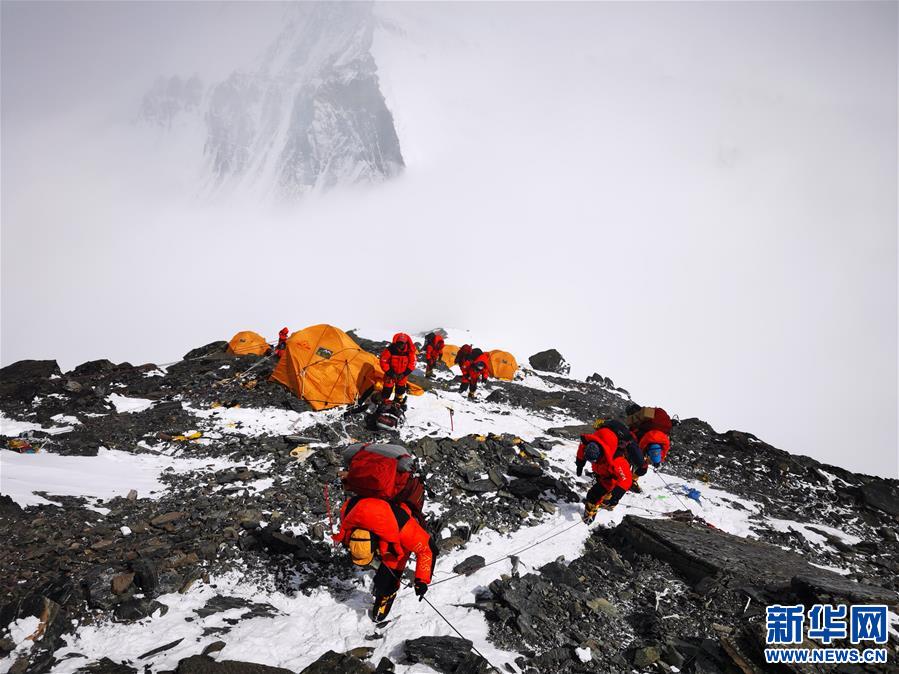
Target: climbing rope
x=667, y=486
x=446, y=620
x=513, y=554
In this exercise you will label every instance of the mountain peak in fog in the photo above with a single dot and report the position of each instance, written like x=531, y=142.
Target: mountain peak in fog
x=308, y=116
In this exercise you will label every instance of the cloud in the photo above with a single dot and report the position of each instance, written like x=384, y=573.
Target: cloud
x=696, y=200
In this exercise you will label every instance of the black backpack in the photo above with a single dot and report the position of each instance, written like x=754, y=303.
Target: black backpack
x=622, y=432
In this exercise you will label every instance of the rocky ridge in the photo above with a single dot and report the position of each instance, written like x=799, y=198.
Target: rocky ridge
x=655, y=582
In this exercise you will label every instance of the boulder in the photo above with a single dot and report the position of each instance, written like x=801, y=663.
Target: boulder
x=549, y=361
x=338, y=663
x=203, y=664
x=469, y=565
x=881, y=495
x=699, y=552
x=93, y=367
x=449, y=655
x=213, y=348
x=23, y=370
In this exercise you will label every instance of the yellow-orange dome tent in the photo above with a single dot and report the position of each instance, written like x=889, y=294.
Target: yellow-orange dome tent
x=502, y=365
x=248, y=342
x=449, y=354
x=325, y=367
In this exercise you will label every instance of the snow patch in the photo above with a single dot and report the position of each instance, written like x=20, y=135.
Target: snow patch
x=109, y=474
x=129, y=405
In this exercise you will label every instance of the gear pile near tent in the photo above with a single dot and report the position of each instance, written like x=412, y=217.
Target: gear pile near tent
x=325, y=367
x=502, y=365
x=248, y=342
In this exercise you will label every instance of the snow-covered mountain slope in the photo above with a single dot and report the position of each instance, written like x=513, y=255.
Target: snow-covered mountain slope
x=221, y=555
x=308, y=116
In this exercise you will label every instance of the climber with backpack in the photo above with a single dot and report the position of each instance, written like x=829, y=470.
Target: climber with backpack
x=611, y=470
x=434, y=343
x=628, y=447
x=475, y=368
x=463, y=355
x=382, y=534
x=282, y=343
x=398, y=361
x=651, y=427
x=383, y=471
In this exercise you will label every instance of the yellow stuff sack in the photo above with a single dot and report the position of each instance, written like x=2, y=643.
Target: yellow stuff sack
x=362, y=547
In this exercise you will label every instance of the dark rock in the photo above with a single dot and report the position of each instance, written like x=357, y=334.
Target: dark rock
x=160, y=520
x=445, y=654
x=121, y=582
x=882, y=495
x=469, y=565
x=99, y=590
x=644, y=657
x=136, y=609
x=160, y=649
x=203, y=664
x=300, y=547
x=525, y=470
x=29, y=369
x=207, y=350
x=480, y=486
x=92, y=368
x=214, y=647
x=145, y=576
x=570, y=432
x=557, y=572
x=338, y=663
x=549, y=361
x=106, y=666
x=699, y=552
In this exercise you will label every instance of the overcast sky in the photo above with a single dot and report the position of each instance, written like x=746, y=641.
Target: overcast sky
x=696, y=199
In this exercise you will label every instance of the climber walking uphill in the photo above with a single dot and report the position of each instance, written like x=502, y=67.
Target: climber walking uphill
x=282, y=342
x=385, y=471
x=376, y=530
x=398, y=362
x=434, y=343
x=651, y=427
x=611, y=471
x=474, y=368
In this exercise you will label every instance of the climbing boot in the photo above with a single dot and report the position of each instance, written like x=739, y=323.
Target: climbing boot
x=472, y=396
x=383, y=604
x=635, y=487
x=590, y=510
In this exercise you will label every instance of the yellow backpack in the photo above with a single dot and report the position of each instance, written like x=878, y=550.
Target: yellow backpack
x=362, y=547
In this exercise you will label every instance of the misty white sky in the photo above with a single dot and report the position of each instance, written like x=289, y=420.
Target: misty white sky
x=696, y=199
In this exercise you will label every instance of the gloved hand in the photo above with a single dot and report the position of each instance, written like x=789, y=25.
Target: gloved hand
x=590, y=510
x=655, y=454
x=420, y=588
x=580, y=467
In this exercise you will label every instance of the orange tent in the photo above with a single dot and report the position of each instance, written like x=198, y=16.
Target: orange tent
x=248, y=342
x=449, y=354
x=502, y=365
x=325, y=367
